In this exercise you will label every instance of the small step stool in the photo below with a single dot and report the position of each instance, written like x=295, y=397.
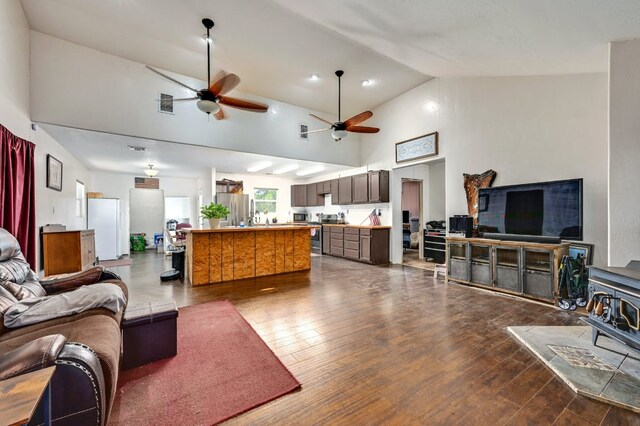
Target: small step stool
x=440, y=269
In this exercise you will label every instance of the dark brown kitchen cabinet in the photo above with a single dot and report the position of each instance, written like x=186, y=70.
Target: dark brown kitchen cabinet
x=311, y=194
x=360, y=188
x=369, y=245
x=298, y=195
x=324, y=187
x=334, y=191
x=344, y=190
x=326, y=240
x=378, y=186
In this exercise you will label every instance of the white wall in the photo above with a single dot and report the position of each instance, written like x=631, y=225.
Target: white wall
x=51, y=206
x=437, y=198
x=65, y=76
x=116, y=185
x=527, y=129
x=624, y=152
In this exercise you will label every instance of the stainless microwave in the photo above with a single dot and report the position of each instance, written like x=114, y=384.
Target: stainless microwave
x=300, y=217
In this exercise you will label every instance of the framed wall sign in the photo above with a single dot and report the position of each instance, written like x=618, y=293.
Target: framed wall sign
x=420, y=147
x=54, y=173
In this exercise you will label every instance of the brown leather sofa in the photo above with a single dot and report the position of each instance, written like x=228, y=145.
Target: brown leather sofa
x=85, y=348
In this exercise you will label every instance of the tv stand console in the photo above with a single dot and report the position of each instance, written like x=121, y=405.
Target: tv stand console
x=516, y=267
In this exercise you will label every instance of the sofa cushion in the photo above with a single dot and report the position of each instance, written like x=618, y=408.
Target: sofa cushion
x=99, y=332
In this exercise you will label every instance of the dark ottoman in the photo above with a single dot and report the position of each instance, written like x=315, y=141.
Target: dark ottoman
x=149, y=333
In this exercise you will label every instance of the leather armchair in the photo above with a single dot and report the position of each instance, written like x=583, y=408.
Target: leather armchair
x=77, y=364
x=35, y=355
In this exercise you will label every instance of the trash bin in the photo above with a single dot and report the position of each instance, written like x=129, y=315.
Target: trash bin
x=137, y=242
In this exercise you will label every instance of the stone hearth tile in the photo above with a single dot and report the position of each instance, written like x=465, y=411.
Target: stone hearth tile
x=624, y=389
x=616, y=376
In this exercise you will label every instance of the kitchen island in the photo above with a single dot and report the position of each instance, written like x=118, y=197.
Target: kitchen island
x=225, y=254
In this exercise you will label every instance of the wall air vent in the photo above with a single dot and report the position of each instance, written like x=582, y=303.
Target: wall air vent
x=303, y=132
x=166, y=103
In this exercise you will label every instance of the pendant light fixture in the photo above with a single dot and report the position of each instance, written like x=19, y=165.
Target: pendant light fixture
x=150, y=171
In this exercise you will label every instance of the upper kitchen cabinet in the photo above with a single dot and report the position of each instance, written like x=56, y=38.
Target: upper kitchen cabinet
x=298, y=195
x=378, y=186
x=360, y=188
x=324, y=187
x=334, y=191
x=344, y=191
x=314, y=195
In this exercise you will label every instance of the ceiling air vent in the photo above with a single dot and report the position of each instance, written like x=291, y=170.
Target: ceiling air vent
x=166, y=103
x=303, y=132
x=137, y=148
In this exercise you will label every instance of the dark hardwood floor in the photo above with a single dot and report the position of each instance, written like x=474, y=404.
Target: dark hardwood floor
x=390, y=345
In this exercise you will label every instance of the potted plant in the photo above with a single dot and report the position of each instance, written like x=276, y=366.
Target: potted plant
x=214, y=212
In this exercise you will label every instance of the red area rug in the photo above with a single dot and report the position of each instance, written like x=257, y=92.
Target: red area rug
x=223, y=368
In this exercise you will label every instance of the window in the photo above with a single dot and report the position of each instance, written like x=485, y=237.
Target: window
x=79, y=199
x=265, y=200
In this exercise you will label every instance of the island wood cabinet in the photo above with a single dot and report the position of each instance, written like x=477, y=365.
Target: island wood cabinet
x=368, y=244
x=522, y=268
x=68, y=251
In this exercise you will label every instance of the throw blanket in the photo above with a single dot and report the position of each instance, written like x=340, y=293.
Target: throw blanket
x=38, y=309
x=15, y=275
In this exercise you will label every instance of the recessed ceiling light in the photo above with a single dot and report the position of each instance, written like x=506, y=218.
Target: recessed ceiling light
x=310, y=171
x=259, y=166
x=285, y=169
x=366, y=83
x=314, y=77
x=136, y=148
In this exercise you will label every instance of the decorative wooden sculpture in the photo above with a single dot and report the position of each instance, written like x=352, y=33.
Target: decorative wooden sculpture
x=472, y=183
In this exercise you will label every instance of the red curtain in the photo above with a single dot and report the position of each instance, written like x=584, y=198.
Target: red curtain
x=17, y=191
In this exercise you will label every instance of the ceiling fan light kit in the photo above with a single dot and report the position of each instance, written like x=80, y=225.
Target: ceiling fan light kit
x=340, y=129
x=210, y=99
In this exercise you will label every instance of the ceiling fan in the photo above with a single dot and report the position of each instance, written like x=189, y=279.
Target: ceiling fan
x=340, y=129
x=211, y=98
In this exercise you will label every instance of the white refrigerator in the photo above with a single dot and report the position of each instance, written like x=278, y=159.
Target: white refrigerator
x=103, y=216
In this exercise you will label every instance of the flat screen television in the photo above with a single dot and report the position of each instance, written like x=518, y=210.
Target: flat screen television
x=548, y=209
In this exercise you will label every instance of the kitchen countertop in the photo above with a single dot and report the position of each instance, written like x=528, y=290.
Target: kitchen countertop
x=274, y=227
x=356, y=226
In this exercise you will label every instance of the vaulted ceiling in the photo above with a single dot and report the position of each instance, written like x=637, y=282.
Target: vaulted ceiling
x=274, y=45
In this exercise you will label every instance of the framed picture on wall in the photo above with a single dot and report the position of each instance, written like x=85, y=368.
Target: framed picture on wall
x=54, y=173
x=416, y=148
x=583, y=250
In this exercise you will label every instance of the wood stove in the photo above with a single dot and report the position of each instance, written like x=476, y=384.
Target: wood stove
x=614, y=306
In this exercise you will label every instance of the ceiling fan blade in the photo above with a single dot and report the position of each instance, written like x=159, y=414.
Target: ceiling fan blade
x=321, y=119
x=172, y=79
x=363, y=129
x=225, y=84
x=358, y=118
x=195, y=98
x=242, y=104
x=315, y=131
x=220, y=115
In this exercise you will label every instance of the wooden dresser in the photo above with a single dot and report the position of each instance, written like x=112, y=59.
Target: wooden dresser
x=68, y=251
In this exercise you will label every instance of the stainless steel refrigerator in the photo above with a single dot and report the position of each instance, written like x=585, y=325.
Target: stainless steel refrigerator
x=239, y=206
x=103, y=215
